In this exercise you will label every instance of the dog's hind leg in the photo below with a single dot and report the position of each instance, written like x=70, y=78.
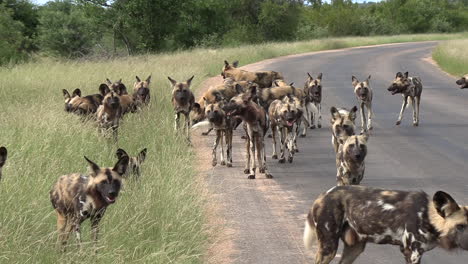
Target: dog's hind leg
x=215, y=146
x=351, y=253
x=403, y=107
x=223, y=162
x=262, y=157
x=63, y=229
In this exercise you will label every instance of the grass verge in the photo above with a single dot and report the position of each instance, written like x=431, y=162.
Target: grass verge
x=158, y=219
x=452, y=56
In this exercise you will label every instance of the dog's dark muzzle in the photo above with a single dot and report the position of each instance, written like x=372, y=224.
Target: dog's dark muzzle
x=215, y=117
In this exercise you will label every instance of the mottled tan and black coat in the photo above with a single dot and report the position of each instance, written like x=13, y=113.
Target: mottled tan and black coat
x=141, y=92
x=109, y=114
x=463, y=82
x=364, y=94
x=283, y=116
x=127, y=102
x=410, y=88
x=313, y=99
x=350, y=160
x=264, y=79
x=134, y=163
x=77, y=197
x=342, y=125
x=86, y=105
x=182, y=101
x=408, y=219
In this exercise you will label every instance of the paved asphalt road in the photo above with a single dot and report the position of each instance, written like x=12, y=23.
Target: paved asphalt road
x=267, y=216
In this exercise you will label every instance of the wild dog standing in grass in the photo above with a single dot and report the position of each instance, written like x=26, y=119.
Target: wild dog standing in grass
x=409, y=87
x=313, y=95
x=409, y=219
x=134, y=163
x=110, y=112
x=255, y=125
x=81, y=105
x=141, y=92
x=3, y=158
x=342, y=125
x=463, y=82
x=264, y=79
x=183, y=101
x=363, y=92
x=283, y=115
x=350, y=160
x=77, y=197
x=126, y=101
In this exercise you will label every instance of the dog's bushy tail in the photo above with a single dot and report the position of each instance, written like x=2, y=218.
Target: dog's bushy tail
x=310, y=233
x=205, y=124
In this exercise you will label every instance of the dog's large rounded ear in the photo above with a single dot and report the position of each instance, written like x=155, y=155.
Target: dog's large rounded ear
x=335, y=114
x=291, y=84
x=142, y=155
x=173, y=82
x=352, y=113
x=196, y=107
x=121, y=89
x=189, y=81
x=3, y=155
x=365, y=136
x=250, y=94
x=445, y=204
x=148, y=80
x=93, y=167
x=120, y=153
x=66, y=95
x=239, y=88
x=104, y=89
x=109, y=82
x=235, y=64
x=354, y=81
x=205, y=101
x=121, y=166
x=399, y=75
x=310, y=76
x=138, y=78
x=226, y=63
x=319, y=76
x=368, y=79
x=406, y=74
x=76, y=92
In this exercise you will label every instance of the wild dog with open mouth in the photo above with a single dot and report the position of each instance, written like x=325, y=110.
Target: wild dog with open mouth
x=255, y=125
x=463, y=82
x=350, y=160
x=134, y=163
x=110, y=112
x=409, y=219
x=141, y=92
x=183, y=101
x=126, y=101
x=313, y=94
x=77, y=197
x=409, y=87
x=283, y=115
x=81, y=105
x=363, y=93
x=264, y=79
x=342, y=125
x=3, y=158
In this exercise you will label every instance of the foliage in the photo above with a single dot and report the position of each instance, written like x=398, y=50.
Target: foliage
x=12, y=40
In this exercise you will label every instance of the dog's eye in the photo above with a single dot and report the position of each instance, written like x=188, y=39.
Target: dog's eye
x=293, y=111
x=285, y=111
x=345, y=126
x=351, y=145
x=461, y=228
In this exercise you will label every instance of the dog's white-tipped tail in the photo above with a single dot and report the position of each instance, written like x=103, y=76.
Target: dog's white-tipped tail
x=310, y=234
x=205, y=123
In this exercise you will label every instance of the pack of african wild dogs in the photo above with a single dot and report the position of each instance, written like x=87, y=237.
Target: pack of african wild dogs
x=263, y=101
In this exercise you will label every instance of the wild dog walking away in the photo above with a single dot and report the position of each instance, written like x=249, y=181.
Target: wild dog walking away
x=183, y=101
x=313, y=93
x=264, y=79
x=77, y=197
x=409, y=87
x=342, y=124
x=255, y=125
x=463, y=82
x=3, y=158
x=364, y=93
x=411, y=220
x=134, y=163
x=81, y=105
x=350, y=160
x=141, y=92
x=283, y=115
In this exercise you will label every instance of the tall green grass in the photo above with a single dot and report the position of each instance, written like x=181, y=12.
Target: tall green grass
x=162, y=218
x=452, y=56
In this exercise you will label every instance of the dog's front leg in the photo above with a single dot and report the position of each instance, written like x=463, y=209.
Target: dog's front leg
x=247, y=151
x=253, y=163
x=363, y=118
x=306, y=124
x=176, y=123
x=215, y=146
x=223, y=162
x=187, y=125
x=370, y=115
x=262, y=159
x=412, y=255
x=282, y=143
x=403, y=106
x=416, y=111
x=290, y=139
x=273, y=135
x=228, y=136
x=77, y=228
x=319, y=108
x=95, y=229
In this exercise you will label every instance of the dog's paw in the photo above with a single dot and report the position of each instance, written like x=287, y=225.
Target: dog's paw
x=251, y=177
x=370, y=128
x=296, y=150
x=274, y=156
x=229, y=165
x=416, y=124
x=213, y=163
x=290, y=159
x=246, y=171
x=223, y=163
x=282, y=160
x=312, y=127
x=243, y=137
x=270, y=135
x=398, y=122
x=262, y=170
x=303, y=135
x=269, y=176
x=319, y=125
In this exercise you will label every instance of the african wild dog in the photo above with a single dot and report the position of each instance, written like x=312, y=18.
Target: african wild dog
x=409, y=219
x=3, y=158
x=283, y=115
x=264, y=79
x=350, y=160
x=141, y=92
x=183, y=101
x=342, y=125
x=126, y=101
x=110, y=112
x=313, y=94
x=81, y=105
x=363, y=93
x=409, y=87
x=77, y=197
x=134, y=163
x=255, y=125
x=463, y=82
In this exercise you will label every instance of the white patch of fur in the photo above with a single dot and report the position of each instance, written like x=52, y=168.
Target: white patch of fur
x=309, y=235
x=326, y=226
x=420, y=214
x=205, y=124
x=415, y=256
x=331, y=189
x=388, y=207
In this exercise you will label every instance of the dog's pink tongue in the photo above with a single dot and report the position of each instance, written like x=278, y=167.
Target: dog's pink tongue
x=290, y=123
x=110, y=200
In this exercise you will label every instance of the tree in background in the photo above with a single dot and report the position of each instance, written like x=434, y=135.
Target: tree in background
x=12, y=40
